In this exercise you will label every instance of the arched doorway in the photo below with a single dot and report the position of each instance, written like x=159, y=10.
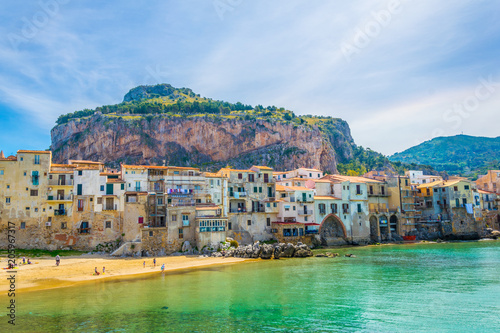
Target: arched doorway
x=332, y=231
x=374, y=229
x=384, y=226
x=393, y=224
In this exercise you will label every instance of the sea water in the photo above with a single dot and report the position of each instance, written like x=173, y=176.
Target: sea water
x=453, y=287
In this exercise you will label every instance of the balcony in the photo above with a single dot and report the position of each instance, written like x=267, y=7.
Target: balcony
x=110, y=207
x=312, y=232
x=238, y=210
x=380, y=194
x=237, y=195
x=212, y=229
x=154, y=187
x=84, y=230
x=60, y=182
x=60, y=197
x=60, y=212
x=305, y=212
x=306, y=200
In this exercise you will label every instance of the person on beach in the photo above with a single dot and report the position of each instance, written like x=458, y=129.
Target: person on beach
x=144, y=264
x=95, y=271
x=103, y=269
x=58, y=260
x=154, y=262
x=163, y=267
x=29, y=262
x=24, y=260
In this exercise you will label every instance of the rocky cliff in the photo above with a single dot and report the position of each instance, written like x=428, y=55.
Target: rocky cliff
x=209, y=141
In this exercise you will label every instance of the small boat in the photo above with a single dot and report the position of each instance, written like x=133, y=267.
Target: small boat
x=409, y=238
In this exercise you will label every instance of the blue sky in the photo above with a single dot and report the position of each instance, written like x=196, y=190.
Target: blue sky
x=400, y=72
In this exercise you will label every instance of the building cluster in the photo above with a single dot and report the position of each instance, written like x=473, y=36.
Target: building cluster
x=82, y=205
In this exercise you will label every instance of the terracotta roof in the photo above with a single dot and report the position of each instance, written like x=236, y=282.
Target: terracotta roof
x=485, y=192
x=207, y=208
x=61, y=171
x=320, y=180
x=235, y=170
x=261, y=167
x=55, y=165
x=315, y=170
x=34, y=151
x=10, y=158
x=312, y=224
x=279, y=222
x=352, y=179
x=83, y=162
x=211, y=175
x=87, y=168
x=325, y=197
x=162, y=167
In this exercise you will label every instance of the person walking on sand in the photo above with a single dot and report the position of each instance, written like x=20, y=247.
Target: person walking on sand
x=103, y=269
x=24, y=260
x=144, y=264
x=95, y=271
x=163, y=267
x=154, y=262
x=58, y=260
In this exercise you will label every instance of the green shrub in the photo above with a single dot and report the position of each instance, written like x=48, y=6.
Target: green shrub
x=234, y=243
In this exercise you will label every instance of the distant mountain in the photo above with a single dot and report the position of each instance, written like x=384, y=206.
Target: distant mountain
x=460, y=154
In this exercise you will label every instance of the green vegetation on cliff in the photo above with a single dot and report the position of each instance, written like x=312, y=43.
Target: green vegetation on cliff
x=460, y=154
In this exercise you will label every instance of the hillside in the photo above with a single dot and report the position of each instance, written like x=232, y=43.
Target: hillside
x=162, y=124
x=460, y=154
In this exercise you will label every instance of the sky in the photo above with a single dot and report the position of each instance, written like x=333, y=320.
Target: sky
x=400, y=72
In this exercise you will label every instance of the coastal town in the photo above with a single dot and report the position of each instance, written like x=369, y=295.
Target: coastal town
x=159, y=210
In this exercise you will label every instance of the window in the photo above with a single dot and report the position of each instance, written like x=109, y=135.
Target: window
x=255, y=189
x=7, y=200
x=455, y=188
x=464, y=201
x=345, y=208
x=23, y=225
x=268, y=205
x=249, y=222
x=1, y=172
x=333, y=208
x=251, y=177
x=185, y=220
x=79, y=189
x=293, y=207
x=102, y=188
x=457, y=202
x=174, y=218
x=27, y=208
x=358, y=189
x=123, y=186
x=37, y=159
x=99, y=201
x=140, y=219
x=181, y=233
x=64, y=225
x=80, y=172
x=150, y=234
x=36, y=209
x=360, y=209
x=8, y=186
x=108, y=225
x=34, y=177
x=80, y=205
x=260, y=189
x=240, y=176
x=322, y=208
x=22, y=159
x=229, y=226
x=268, y=221
x=466, y=187
x=305, y=218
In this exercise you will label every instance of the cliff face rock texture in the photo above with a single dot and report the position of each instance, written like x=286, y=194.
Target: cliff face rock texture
x=208, y=142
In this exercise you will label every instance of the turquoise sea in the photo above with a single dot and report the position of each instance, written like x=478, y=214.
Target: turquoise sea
x=452, y=287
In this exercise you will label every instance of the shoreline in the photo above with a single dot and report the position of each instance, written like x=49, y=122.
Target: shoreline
x=75, y=270
x=78, y=270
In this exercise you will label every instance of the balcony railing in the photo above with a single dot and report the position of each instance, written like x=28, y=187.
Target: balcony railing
x=60, y=197
x=59, y=182
x=238, y=210
x=237, y=194
x=110, y=207
x=212, y=229
x=59, y=212
x=312, y=232
x=305, y=212
x=84, y=230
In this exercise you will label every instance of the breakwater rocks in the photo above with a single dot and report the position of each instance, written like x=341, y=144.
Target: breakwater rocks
x=267, y=251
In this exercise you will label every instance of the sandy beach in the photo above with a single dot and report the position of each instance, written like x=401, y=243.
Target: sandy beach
x=44, y=274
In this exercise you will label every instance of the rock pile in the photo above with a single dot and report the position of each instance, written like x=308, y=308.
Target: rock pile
x=267, y=251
